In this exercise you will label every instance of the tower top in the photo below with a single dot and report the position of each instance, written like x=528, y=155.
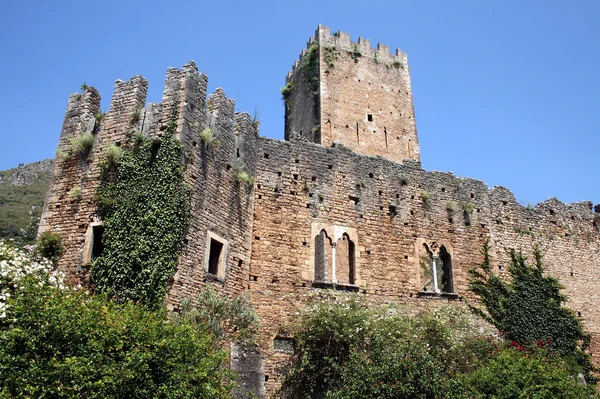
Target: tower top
x=350, y=93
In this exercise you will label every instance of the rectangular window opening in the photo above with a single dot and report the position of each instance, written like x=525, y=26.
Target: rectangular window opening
x=214, y=258
x=370, y=117
x=97, y=244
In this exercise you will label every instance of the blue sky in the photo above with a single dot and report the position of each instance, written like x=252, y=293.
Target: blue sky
x=507, y=92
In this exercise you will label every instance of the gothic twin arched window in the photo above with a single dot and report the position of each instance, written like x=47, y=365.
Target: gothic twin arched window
x=436, y=270
x=334, y=261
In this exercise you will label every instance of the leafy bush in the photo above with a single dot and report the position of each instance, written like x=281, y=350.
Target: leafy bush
x=468, y=207
x=50, y=246
x=17, y=264
x=345, y=348
x=207, y=136
x=425, y=196
x=62, y=155
x=114, y=153
x=243, y=176
x=451, y=206
x=519, y=373
x=528, y=307
x=66, y=344
x=75, y=193
x=82, y=143
x=232, y=319
x=136, y=116
x=286, y=91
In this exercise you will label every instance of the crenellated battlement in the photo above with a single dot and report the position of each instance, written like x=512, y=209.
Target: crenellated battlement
x=217, y=145
x=350, y=93
x=342, y=41
x=185, y=103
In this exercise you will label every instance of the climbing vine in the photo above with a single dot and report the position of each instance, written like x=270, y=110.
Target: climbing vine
x=528, y=308
x=144, y=204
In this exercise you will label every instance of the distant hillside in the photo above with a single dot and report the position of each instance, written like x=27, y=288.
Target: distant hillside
x=22, y=193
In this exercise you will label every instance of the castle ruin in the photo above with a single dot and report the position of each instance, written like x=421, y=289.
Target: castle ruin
x=341, y=204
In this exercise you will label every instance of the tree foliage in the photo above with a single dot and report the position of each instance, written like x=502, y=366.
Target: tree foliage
x=228, y=319
x=49, y=245
x=144, y=203
x=58, y=343
x=528, y=306
x=346, y=349
x=516, y=372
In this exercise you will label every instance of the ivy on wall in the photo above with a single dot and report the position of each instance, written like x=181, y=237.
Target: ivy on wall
x=528, y=307
x=144, y=204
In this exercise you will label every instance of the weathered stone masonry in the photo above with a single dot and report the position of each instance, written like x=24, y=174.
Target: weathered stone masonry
x=329, y=209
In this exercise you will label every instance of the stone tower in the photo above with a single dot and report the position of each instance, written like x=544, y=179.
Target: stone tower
x=350, y=93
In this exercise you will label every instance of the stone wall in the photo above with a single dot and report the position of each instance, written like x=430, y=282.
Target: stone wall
x=221, y=203
x=390, y=211
x=303, y=102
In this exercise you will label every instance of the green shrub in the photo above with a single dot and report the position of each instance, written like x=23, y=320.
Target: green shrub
x=50, y=246
x=18, y=265
x=114, y=153
x=62, y=155
x=347, y=349
x=286, y=91
x=425, y=196
x=468, y=207
x=68, y=344
x=451, y=206
x=518, y=373
x=82, y=143
x=136, y=116
x=355, y=53
x=227, y=319
x=243, y=177
x=75, y=193
x=207, y=136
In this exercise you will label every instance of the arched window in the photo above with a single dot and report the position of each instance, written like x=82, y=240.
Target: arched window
x=344, y=260
x=322, y=257
x=428, y=282
x=447, y=283
x=436, y=270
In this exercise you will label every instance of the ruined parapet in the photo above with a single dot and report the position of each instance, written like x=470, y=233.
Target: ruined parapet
x=342, y=41
x=221, y=165
x=70, y=209
x=82, y=109
x=217, y=146
x=340, y=91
